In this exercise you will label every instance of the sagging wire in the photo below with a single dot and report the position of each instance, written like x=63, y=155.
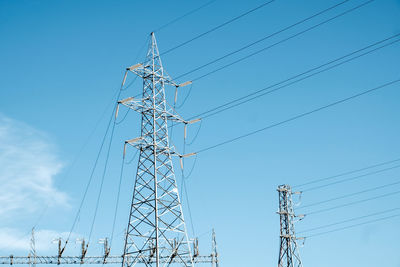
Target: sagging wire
x=133, y=157
x=102, y=183
x=88, y=184
x=183, y=186
x=191, y=170
x=186, y=98
x=196, y=135
x=123, y=118
x=77, y=156
x=136, y=59
x=117, y=202
x=130, y=83
x=94, y=167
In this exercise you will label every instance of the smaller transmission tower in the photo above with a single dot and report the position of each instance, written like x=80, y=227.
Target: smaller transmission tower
x=214, y=254
x=289, y=255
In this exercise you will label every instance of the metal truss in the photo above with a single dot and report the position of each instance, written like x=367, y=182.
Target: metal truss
x=15, y=260
x=156, y=232
x=289, y=255
x=33, y=259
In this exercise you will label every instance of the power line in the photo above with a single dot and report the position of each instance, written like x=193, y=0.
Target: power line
x=133, y=157
x=78, y=155
x=349, y=195
x=299, y=116
x=196, y=135
x=350, y=179
x=283, y=40
x=183, y=16
x=217, y=27
x=348, y=220
x=296, y=81
x=262, y=39
x=353, y=203
x=192, y=168
x=186, y=97
x=354, y=225
x=264, y=91
x=102, y=181
x=184, y=188
x=94, y=167
x=90, y=179
x=117, y=201
x=348, y=172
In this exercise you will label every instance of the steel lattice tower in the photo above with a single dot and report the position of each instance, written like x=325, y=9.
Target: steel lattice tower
x=289, y=255
x=156, y=232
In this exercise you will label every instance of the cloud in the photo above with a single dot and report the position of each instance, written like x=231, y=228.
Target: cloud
x=28, y=165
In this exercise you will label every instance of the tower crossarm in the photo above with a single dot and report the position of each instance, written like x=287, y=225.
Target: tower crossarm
x=137, y=105
x=144, y=71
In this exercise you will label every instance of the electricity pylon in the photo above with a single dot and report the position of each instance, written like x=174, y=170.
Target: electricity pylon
x=289, y=255
x=214, y=254
x=156, y=230
x=156, y=233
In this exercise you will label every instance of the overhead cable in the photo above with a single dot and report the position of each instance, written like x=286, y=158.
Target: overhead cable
x=299, y=116
x=102, y=182
x=117, y=201
x=283, y=40
x=354, y=225
x=353, y=203
x=349, y=195
x=262, y=39
x=264, y=91
x=216, y=27
x=184, y=15
x=351, y=178
x=346, y=221
x=348, y=172
x=90, y=180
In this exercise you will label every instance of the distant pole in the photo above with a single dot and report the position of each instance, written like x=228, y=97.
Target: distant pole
x=289, y=255
x=33, y=248
x=215, y=262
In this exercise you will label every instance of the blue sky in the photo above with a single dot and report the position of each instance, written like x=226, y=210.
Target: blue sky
x=62, y=62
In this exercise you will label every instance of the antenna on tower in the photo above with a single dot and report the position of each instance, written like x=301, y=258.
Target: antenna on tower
x=289, y=255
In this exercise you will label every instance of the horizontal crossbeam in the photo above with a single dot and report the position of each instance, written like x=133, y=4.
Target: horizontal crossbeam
x=12, y=260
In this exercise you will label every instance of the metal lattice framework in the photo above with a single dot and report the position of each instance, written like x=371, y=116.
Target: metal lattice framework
x=289, y=255
x=156, y=230
x=156, y=233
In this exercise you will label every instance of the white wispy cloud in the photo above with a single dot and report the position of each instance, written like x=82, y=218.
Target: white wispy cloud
x=28, y=165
